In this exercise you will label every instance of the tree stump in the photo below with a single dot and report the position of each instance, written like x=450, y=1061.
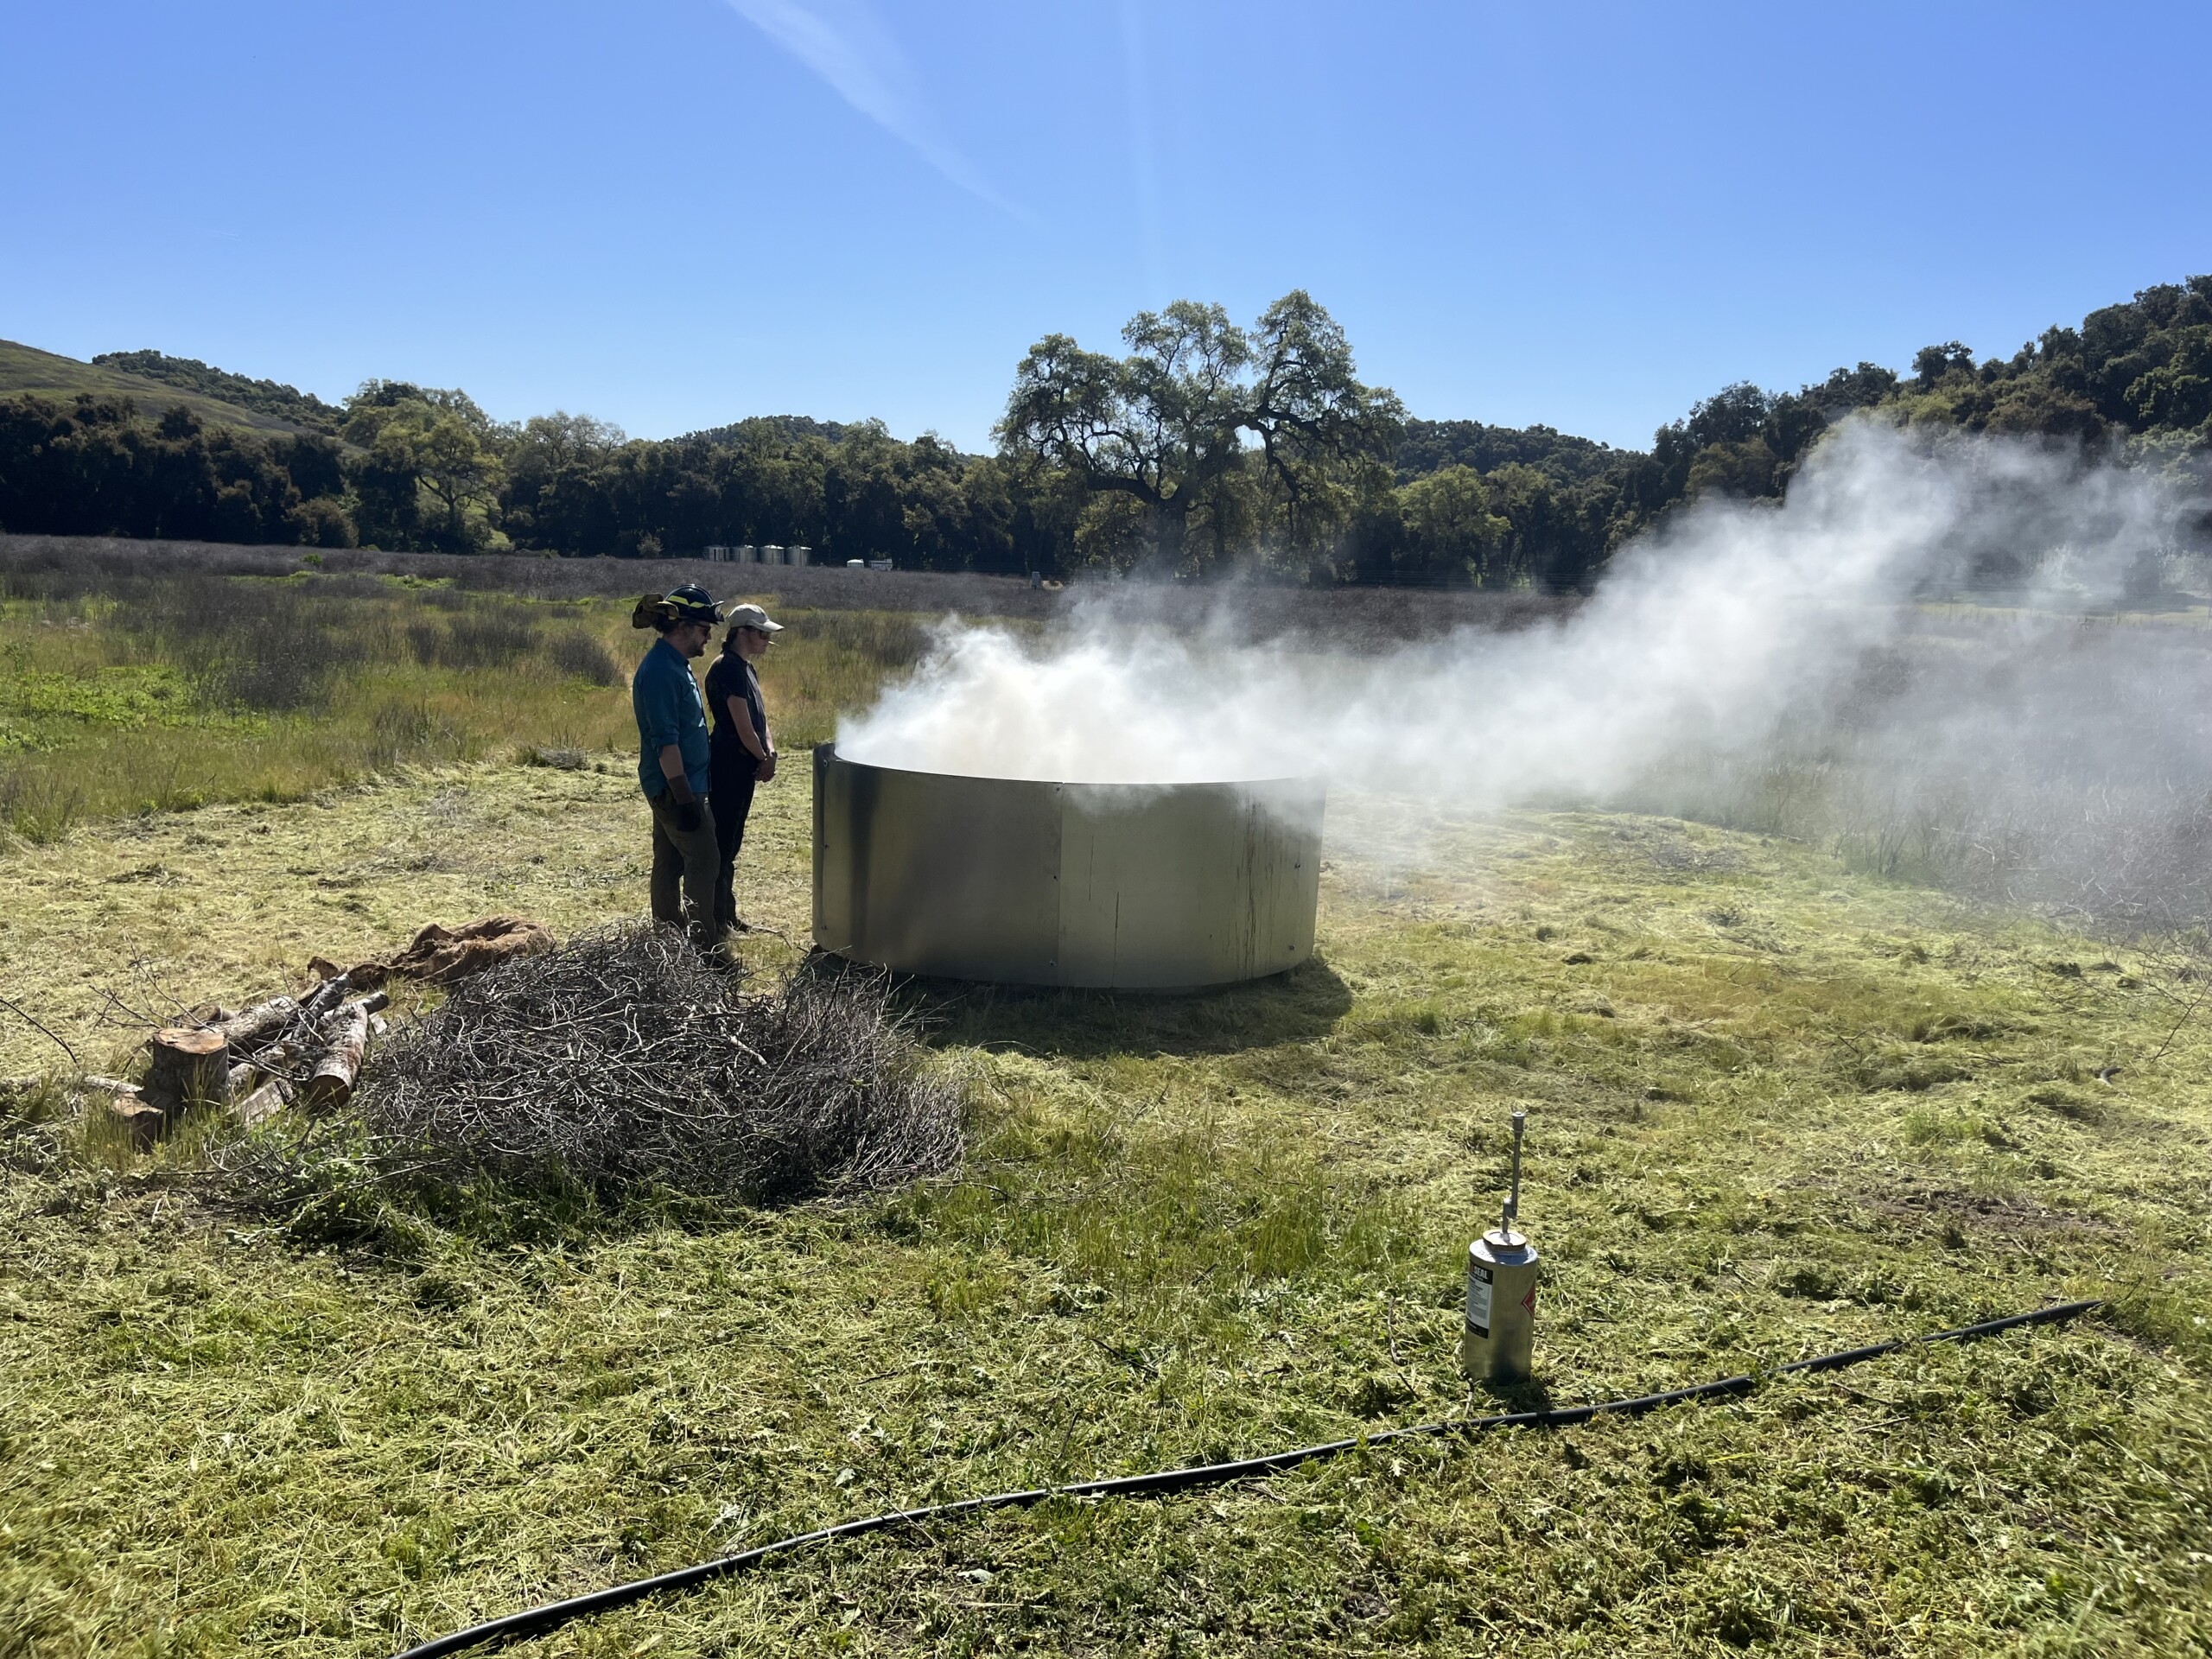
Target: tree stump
x=140, y=1121
x=188, y=1067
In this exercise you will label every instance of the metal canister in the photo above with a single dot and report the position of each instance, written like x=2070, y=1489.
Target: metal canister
x=1498, y=1342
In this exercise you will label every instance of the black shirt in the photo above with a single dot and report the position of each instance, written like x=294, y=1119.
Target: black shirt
x=733, y=677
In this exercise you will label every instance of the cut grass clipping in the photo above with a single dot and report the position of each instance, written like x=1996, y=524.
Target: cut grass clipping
x=625, y=1063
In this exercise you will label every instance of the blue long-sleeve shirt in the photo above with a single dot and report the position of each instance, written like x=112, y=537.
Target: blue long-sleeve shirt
x=666, y=700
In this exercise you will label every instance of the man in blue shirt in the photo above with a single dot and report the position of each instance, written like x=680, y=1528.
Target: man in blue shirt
x=673, y=758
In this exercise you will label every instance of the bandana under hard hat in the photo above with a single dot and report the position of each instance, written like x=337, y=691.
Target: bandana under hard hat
x=752, y=616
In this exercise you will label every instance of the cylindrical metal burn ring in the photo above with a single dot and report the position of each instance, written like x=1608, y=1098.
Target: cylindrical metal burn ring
x=1150, y=886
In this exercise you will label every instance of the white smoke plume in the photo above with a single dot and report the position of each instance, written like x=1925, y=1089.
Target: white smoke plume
x=1745, y=635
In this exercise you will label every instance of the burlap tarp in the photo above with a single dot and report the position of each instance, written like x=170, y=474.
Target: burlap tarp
x=448, y=953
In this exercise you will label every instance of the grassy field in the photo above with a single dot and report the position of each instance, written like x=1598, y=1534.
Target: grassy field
x=177, y=690
x=1775, y=1107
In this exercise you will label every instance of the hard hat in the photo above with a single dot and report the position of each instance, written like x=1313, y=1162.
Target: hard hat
x=688, y=603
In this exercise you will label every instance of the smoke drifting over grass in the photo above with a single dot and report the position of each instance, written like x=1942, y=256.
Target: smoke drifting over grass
x=1760, y=665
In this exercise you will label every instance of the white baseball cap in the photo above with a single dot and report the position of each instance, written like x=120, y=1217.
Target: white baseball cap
x=751, y=616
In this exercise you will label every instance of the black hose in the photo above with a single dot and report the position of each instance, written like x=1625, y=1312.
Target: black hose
x=537, y=1621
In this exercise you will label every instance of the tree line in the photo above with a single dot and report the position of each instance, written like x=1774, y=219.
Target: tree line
x=1203, y=445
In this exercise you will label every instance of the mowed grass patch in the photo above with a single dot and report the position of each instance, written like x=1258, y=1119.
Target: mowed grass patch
x=230, y=902
x=1190, y=1228
x=196, y=688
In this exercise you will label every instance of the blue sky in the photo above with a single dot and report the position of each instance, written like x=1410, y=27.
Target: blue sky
x=671, y=213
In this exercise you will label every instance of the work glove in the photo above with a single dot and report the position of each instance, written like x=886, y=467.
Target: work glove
x=686, y=814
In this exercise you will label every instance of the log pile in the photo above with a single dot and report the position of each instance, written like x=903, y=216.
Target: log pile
x=305, y=1051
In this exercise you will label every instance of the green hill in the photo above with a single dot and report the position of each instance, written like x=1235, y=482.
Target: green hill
x=270, y=398
x=25, y=368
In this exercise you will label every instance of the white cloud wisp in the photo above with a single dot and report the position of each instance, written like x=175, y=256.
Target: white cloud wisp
x=846, y=43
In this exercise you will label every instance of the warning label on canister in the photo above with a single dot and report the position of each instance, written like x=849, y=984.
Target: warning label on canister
x=1478, y=1288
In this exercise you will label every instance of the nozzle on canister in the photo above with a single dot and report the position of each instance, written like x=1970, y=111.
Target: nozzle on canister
x=1499, y=1340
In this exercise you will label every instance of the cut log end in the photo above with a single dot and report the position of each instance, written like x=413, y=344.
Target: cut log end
x=186, y=1043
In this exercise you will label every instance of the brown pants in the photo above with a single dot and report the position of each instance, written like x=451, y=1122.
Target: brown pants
x=685, y=864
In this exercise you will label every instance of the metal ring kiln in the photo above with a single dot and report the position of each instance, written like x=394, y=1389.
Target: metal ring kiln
x=1150, y=886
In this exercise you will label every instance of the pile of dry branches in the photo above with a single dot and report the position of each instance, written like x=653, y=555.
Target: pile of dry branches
x=626, y=1059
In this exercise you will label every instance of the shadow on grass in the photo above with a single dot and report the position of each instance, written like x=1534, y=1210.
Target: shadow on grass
x=1295, y=1006
x=1488, y=1399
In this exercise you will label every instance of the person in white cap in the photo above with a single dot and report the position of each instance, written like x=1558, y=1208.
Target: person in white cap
x=742, y=754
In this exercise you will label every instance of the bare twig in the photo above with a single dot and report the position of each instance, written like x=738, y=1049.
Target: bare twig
x=2187, y=1013
x=144, y=967
x=120, y=1013
x=40, y=1025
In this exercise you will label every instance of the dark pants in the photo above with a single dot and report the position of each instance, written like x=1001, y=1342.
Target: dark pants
x=683, y=871
x=733, y=799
